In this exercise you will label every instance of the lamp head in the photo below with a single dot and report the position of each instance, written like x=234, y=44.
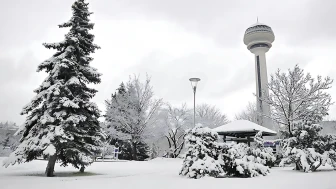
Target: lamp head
x=194, y=82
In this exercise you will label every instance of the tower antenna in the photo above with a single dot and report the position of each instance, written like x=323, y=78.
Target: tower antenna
x=257, y=19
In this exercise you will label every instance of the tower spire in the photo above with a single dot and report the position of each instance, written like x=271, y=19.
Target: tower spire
x=257, y=19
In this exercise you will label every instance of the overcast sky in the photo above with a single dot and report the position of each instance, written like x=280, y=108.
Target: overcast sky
x=171, y=40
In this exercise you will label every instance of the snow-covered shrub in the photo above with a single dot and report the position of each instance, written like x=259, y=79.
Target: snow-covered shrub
x=201, y=156
x=126, y=150
x=264, y=153
x=239, y=160
x=154, y=151
x=307, y=148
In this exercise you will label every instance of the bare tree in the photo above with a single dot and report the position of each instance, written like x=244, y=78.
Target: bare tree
x=249, y=113
x=133, y=111
x=295, y=96
x=210, y=116
x=176, y=121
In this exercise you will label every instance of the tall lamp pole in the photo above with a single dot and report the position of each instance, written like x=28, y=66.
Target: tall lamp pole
x=193, y=82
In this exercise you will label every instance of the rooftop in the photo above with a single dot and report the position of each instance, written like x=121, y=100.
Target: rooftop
x=258, y=27
x=243, y=128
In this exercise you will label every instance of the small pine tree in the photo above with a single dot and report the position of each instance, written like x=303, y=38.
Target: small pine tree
x=61, y=121
x=5, y=142
x=307, y=148
x=202, y=154
x=154, y=151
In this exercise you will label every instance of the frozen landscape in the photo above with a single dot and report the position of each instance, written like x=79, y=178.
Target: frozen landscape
x=160, y=173
x=88, y=126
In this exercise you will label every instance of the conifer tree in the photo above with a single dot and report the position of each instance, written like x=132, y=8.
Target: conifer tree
x=202, y=155
x=61, y=121
x=307, y=148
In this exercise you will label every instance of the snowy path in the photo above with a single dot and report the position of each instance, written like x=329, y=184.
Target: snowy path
x=156, y=174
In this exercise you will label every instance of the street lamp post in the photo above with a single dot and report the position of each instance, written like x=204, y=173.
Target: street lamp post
x=194, y=85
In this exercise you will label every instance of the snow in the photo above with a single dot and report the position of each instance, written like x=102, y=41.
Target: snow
x=258, y=24
x=155, y=174
x=50, y=150
x=242, y=125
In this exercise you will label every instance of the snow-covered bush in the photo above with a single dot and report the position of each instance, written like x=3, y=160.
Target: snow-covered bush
x=205, y=156
x=307, y=148
x=201, y=156
x=264, y=153
x=239, y=160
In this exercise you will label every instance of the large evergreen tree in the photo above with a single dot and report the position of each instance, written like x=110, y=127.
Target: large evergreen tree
x=61, y=121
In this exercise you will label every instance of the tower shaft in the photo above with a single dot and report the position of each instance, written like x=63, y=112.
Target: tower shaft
x=261, y=88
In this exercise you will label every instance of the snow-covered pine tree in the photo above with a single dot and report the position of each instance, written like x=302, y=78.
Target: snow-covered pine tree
x=307, y=148
x=202, y=153
x=154, y=151
x=61, y=121
x=5, y=141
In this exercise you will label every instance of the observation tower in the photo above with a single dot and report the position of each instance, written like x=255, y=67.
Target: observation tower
x=259, y=38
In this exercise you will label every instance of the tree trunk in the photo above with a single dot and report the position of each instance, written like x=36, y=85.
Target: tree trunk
x=315, y=166
x=82, y=169
x=168, y=142
x=51, y=165
x=289, y=130
x=290, y=119
x=134, y=154
x=298, y=166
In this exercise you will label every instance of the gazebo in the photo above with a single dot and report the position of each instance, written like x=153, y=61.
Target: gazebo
x=242, y=131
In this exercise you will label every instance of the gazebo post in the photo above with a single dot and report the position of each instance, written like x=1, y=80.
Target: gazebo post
x=248, y=141
x=224, y=138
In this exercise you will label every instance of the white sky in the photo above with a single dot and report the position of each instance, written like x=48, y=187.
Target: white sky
x=171, y=41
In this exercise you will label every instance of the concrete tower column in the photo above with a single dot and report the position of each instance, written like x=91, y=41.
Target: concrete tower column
x=261, y=86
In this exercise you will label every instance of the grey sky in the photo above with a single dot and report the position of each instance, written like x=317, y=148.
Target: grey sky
x=171, y=41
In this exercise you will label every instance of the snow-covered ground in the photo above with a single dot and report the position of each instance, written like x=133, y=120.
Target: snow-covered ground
x=155, y=174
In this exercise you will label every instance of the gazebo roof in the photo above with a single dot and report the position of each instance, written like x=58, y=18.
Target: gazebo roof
x=243, y=128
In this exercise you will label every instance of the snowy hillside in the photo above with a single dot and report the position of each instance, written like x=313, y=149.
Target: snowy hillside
x=155, y=174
